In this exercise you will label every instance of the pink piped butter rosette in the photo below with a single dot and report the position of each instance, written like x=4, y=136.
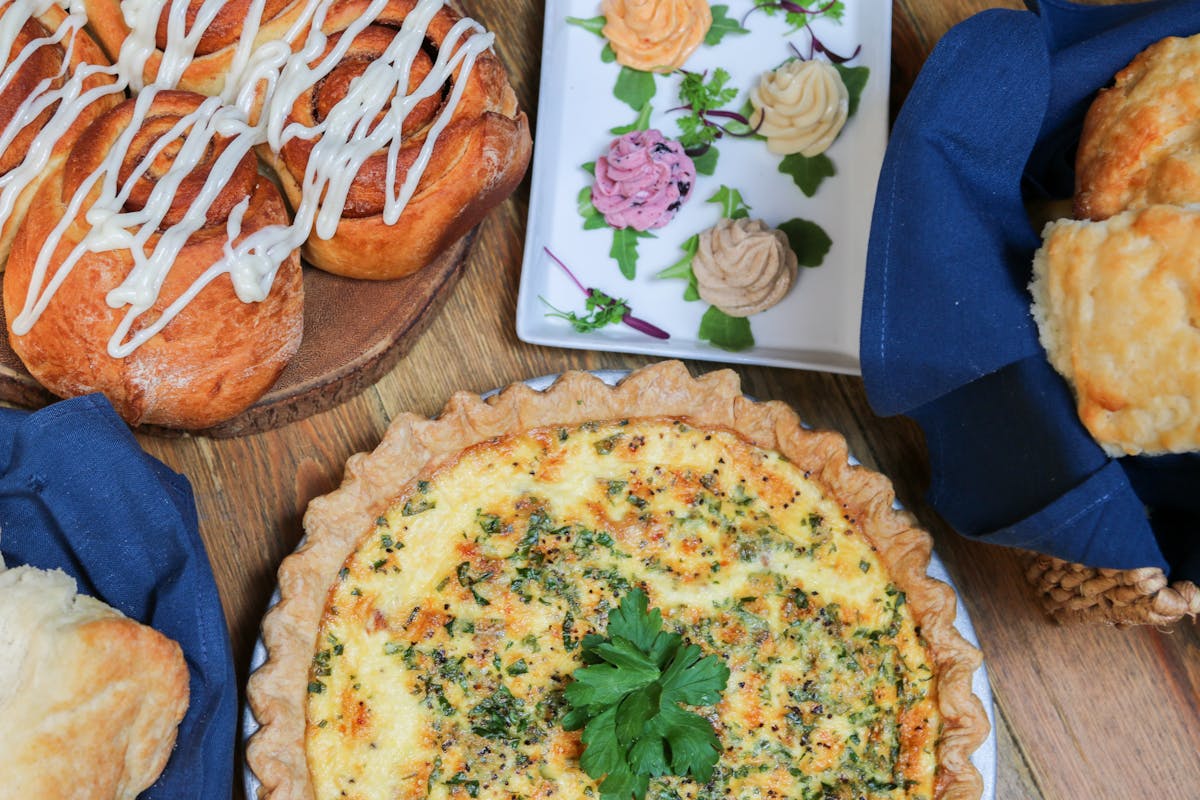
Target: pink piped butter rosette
x=642, y=181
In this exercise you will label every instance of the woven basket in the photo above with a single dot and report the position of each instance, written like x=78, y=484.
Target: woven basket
x=1075, y=593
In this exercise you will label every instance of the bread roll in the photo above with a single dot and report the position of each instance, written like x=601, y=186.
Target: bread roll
x=1117, y=305
x=37, y=82
x=1141, y=138
x=216, y=48
x=218, y=354
x=90, y=700
x=477, y=161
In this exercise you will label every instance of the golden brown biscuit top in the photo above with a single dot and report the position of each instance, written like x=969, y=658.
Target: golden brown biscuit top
x=1141, y=138
x=1118, y=309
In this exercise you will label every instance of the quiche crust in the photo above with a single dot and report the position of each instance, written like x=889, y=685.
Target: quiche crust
x=414, y=445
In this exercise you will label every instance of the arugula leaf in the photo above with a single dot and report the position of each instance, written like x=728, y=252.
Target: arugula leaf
x=722, y=26
x=592, y=219
x=634, y=87
x=683, y=269
x=808, y=241
x=642, y=123
x=807, y=172
x=592, y=24
x=732, y=205
x=855, y=79
x=624, y=249
x=706, y=162
x=724, y=331
x=627, y=700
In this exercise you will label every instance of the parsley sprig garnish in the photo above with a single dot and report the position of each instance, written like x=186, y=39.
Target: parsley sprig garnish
x=628, y=702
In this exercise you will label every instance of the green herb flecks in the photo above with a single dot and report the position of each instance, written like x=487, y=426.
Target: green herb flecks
x=629, y=702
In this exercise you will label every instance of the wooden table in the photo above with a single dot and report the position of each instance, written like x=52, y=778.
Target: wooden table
x=1082, y=712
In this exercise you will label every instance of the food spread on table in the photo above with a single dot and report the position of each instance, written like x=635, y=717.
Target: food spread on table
x=657, y=589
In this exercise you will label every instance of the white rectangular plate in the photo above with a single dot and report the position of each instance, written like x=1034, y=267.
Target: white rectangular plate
x=817, y=324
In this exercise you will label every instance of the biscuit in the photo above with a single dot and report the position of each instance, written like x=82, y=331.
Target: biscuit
x=1141, y=138
x=90, y=700
x=1117, y=304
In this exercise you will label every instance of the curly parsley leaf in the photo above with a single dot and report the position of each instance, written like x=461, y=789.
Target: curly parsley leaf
x=722, y=25
x=731, y=203
x=726, y=332
x=699, y=97
x=808, y=241
x=634, y=88
x=807, y=172
x=627, y=701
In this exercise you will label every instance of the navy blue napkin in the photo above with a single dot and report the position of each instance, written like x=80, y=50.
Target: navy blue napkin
x=78, y=493
x=947, y=337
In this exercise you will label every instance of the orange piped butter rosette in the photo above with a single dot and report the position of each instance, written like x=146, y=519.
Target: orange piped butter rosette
x=655, y=35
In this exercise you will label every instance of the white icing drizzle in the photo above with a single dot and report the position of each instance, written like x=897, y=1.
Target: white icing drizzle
x=346, y=139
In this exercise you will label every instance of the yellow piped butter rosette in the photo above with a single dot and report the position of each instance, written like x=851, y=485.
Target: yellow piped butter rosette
x=655, y=35
x=800, y=107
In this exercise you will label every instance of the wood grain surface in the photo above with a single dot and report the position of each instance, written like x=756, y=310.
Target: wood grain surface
x=1082, y=712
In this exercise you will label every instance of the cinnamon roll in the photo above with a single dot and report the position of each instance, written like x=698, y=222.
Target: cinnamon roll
x=49, y=92
x=394, y=176
x=198, y=46
x=140, y=270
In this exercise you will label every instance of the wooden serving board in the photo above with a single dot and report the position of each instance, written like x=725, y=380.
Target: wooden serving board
x=354, y=332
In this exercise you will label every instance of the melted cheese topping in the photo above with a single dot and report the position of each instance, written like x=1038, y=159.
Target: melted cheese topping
x=452, y=631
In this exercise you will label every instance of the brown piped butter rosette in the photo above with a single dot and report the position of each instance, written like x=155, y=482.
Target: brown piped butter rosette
x=744, y=266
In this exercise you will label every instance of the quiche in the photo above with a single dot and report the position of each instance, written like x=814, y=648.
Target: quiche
x=432, y=619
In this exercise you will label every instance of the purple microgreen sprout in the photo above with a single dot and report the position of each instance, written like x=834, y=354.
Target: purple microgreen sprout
x=816, y=46
x=607, y=306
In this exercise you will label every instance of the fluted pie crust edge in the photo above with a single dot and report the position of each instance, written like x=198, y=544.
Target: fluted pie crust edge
x=414, y=445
